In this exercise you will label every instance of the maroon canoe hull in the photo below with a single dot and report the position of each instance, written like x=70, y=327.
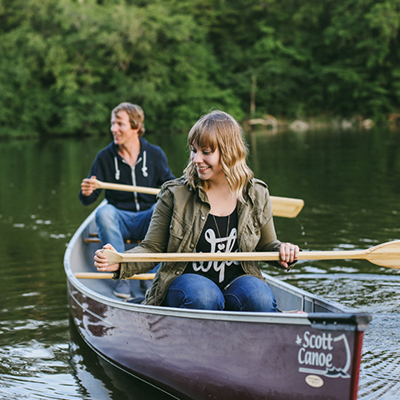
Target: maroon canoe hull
x=199, y=358
x=195, y=354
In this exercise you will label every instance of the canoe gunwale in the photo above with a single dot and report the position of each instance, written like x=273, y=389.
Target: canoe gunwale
x=346, y=318
x=343, y=322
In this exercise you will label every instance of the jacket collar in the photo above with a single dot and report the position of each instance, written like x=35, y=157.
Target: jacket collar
x=202, y=194
x=249, y=192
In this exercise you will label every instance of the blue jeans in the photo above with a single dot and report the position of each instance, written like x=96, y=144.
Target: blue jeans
x=115, y=225
x=246, y=293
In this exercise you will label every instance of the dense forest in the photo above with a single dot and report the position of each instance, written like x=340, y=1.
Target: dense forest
x=64, y=64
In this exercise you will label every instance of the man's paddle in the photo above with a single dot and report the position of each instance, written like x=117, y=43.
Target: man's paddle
x=384, y=255
x=281, y=206
x=102, y=275
x=126, y=188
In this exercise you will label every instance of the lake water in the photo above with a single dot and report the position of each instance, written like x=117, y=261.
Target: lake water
x=349, y=180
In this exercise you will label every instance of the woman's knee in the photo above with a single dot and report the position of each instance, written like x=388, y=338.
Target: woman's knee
x=249, y=293
x=207, y=298
x=195, y=292
x=262, y=301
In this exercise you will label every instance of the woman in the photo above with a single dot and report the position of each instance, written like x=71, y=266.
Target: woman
x=217, y=206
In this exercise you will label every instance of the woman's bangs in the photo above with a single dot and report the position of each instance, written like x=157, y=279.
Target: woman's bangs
x=204, y=138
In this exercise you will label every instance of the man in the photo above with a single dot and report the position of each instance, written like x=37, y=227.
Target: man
x=129, y=160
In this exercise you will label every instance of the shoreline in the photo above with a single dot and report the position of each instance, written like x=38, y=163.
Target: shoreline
x=271, y=123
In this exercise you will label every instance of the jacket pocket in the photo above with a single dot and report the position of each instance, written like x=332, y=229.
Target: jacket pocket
x=251, y=234
x=177, y=233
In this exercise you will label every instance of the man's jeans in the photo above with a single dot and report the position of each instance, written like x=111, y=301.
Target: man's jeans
x=246, y=293
x=114, y=226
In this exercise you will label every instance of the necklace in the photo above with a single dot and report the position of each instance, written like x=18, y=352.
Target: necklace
x=221, y=246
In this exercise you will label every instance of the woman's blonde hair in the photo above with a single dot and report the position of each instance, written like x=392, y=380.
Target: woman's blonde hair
x=219, y=129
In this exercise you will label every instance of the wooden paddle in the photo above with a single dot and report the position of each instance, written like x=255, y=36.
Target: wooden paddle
x=281, y=206
x=384, y=255
x=102, y=275
x=126, y=188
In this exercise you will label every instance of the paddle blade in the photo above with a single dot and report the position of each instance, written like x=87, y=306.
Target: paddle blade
x=385, y=254
x=286, y=207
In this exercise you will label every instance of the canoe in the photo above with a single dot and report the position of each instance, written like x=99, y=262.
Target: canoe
x=312, y=349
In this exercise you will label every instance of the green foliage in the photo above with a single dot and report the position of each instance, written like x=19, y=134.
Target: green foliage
x=64, y=64
x=354, y=55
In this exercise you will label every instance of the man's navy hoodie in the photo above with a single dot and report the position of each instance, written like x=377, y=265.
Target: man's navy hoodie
x=151, y=170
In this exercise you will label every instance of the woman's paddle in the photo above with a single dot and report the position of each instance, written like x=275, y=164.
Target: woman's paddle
x=281, y=206
x=384, y=255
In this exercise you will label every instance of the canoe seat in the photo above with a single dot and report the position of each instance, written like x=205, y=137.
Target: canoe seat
x=94, y=238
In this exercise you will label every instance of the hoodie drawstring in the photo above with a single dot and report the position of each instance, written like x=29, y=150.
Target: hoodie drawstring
x=117, y=172
x=144, y=168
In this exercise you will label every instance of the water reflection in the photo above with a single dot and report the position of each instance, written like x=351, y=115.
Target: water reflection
x=98, y=379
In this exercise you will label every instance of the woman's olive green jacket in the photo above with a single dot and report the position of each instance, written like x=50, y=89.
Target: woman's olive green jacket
x=177, y=223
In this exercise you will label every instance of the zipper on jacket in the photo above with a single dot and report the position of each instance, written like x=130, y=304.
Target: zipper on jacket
x=137, y=205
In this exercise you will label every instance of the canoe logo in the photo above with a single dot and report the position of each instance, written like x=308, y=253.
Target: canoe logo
x=323, y=354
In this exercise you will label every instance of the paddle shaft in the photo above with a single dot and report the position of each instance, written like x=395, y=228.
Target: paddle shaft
x=385, y=255
x=281, y=206
x=126, y=188
x=190, y=257
x=114, y=257
x=102, y=275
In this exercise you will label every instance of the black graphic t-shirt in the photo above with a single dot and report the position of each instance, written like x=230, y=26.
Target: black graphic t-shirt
x=219, y=236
